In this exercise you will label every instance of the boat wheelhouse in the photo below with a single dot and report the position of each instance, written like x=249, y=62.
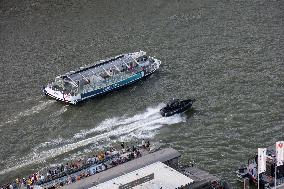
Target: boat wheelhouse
x=101, y=77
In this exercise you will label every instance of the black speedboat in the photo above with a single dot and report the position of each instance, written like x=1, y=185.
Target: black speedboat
x=176, y=106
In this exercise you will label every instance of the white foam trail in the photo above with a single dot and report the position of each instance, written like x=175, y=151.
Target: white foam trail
x=144, y=125
x=60, y=111
x=36, y=109
x=50, y=144
x=108, y=124
x=33, y=110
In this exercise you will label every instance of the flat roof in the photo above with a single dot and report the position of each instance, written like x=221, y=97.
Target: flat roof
x=161, y=155
x=86, y=72
x=117, y=62
x=163, y=176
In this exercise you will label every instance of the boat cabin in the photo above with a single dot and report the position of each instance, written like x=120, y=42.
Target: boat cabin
x=101, y=74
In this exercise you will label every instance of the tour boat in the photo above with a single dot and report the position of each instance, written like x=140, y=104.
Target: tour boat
x=101, y=77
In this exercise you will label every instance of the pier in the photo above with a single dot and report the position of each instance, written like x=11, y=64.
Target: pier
x=150, y=167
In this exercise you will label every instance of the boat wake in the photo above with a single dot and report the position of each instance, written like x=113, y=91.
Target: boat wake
x=126, y=128
x=33, y=110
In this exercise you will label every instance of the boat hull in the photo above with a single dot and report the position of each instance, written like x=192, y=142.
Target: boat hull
x=114, y=86
x=101, y=91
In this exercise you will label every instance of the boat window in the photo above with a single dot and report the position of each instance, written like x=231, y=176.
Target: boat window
x=104, y=75
x=144, y=58
x=57, y=88
x=68, y=87
x=58, y=84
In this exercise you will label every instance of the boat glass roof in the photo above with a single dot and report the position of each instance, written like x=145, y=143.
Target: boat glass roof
x=99, y=68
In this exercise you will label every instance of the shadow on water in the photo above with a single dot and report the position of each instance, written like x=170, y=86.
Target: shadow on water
x=191, y=112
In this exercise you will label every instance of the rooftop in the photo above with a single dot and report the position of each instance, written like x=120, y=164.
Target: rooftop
x=103, y=66
x=99, y=68
x=153, y=176
x=161, y=155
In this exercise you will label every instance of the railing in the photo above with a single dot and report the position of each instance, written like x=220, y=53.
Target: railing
x=280, y=181
x=62, y=177
x=112, y=80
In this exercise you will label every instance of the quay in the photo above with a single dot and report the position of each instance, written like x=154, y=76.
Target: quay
x=248, y=173
x=159, y=169
x=137, y=168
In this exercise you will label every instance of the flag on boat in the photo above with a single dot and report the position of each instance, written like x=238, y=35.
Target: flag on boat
x=279, y=153
x=261, y=160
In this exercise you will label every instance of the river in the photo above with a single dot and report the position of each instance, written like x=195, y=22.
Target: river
x=227, y=54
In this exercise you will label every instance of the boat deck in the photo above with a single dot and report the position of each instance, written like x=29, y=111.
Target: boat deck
x=114, y=64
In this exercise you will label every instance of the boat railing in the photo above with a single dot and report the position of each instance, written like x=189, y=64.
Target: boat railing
x=112, y=80
x=97, y=84
x=56, y=88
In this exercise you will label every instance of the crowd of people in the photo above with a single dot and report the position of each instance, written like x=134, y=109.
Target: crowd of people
x=73, y=171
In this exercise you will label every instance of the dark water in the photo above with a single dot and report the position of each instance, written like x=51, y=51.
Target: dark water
x=227, y=54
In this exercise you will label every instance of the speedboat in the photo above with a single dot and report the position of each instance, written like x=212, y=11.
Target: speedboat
x=176, y=106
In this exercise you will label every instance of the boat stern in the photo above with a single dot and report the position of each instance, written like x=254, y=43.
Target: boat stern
x=157, y=62
x=58, y=95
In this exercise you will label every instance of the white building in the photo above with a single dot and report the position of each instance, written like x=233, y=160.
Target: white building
x=154, y=176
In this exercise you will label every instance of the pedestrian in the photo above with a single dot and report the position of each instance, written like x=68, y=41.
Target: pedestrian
x=148, y=144
x=133, y=149
x=143, y=143
x=122, y=145
x=127, y=148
